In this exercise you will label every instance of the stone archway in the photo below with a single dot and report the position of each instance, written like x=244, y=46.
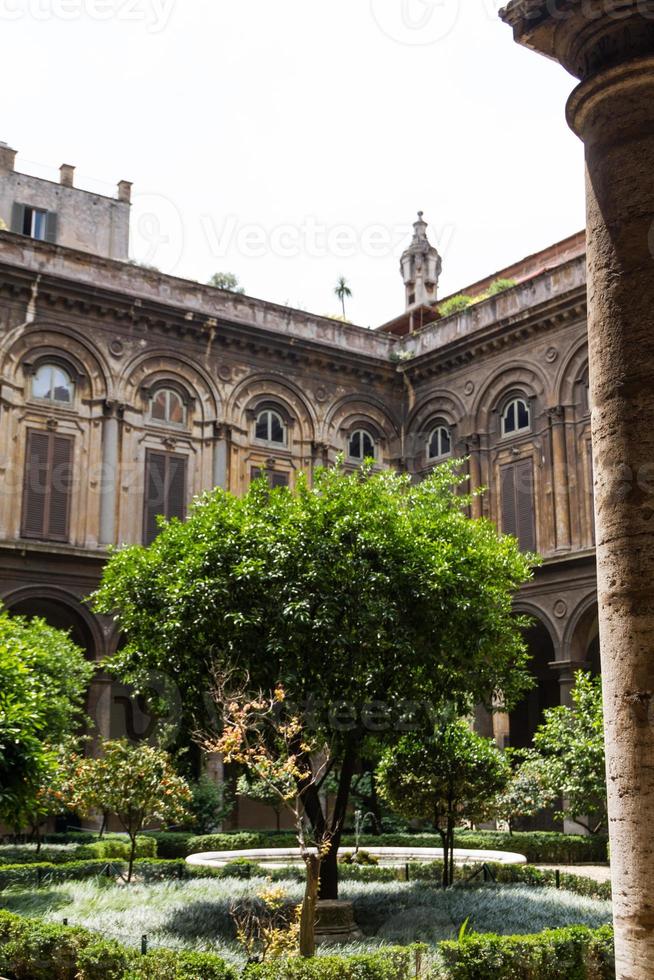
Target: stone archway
x=528, y=714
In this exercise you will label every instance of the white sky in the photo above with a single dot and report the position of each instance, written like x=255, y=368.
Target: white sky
x=291, y=142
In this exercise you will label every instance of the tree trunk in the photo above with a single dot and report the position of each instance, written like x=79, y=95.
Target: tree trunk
x=445, y=878
x=132, y=854
x=308, y=915
x=329, y=868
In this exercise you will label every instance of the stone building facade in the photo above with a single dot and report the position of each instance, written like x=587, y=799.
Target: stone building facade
x=126, y=392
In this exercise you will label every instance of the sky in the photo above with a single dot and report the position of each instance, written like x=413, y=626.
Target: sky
x=293, y=142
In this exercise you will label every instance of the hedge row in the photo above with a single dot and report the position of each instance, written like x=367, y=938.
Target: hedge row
x=392, y=963
x=574, y=953
x=35, y=950
x=110, y=848
x=538, y=847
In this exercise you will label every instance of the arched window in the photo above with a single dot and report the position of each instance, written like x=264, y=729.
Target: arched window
x=53, y=384
x=167, y=406
x=361, y=445
x=270, y=428
x=516, y=417
x=439, y=444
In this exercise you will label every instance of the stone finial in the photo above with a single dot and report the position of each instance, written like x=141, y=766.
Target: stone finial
x=66, y=175
x=420, y=266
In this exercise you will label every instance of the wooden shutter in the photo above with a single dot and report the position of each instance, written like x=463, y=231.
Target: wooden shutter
x=51, y=227
x=165, y=490
x=48, y=486
x=17, y=218
x=517, y=501
x=507, y=490
x=524, y=484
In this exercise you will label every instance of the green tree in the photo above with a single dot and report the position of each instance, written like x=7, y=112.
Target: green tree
x=43, y=681
x=447, y=777
x=343, y=292
x=136, y=782
x=371, y=600
x=571, y=744
x=227, y=281
x=211, y=803
x=529, y=790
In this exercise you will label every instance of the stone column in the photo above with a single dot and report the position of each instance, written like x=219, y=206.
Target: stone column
x=109, y=481
x=221, y=456
x=560, y=479
x=609, y=46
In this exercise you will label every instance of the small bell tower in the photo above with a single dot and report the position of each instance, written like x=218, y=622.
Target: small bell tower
x=421, y=267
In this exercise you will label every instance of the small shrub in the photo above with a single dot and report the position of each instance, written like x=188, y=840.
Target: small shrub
x=359, y=857
x=171, y=844
x=500, y=285
x=454, y=305
x=393, y=963
x=226, y=842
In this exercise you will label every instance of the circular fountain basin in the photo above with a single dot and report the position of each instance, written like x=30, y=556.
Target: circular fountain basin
x=291, y=856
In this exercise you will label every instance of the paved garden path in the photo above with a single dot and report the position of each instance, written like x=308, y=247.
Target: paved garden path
x=598, y=872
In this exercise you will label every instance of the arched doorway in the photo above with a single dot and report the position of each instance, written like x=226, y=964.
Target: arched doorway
x=61, y=615
x=528, y=714
x=584, y=642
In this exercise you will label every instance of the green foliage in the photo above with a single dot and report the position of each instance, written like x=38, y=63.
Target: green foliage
x=34, y=950
x=43, y=680
x=227, y=281
x=173, y=843
x=389, y=964
x=499, y=286
x=449, y=776
x=574, y=953
x=332, y=591
x=211, y=803
x=528, y=791
x=136, y=782
x=105, y=848
x=571, y=744
x=455, y=304
x=241, y=841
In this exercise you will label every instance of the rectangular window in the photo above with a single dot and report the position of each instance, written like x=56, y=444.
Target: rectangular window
x=517, y=491
x=274, y=479
x=34, y=222
x=165, y=490
x=48, y=486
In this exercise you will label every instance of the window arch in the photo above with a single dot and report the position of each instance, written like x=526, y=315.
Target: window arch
x=167, y=406
x=439, y=443
x=516, y=417
x=361, y=445
x=269, y=427
x=51, y=382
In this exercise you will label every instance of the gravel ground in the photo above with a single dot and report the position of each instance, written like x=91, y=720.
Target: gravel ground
x=598, y=872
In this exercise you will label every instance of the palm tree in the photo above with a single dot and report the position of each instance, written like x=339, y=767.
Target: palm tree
x=342, y=290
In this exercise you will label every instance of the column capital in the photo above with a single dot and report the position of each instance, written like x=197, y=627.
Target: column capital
x=584, y=36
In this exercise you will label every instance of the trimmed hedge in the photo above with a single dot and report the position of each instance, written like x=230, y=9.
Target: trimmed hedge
x=110, y=848
x=575, y=953
x=35, y=950
x=393, y=963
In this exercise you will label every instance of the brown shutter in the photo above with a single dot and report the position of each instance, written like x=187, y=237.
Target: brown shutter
x=61, y=479
x=48, y=485
x=517, y=493
x=507, y=490
x=524, y=483
x=35, y=487
x=165, y=490
x=176, y=487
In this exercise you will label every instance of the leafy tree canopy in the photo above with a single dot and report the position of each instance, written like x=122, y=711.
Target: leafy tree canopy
x=43, y=680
